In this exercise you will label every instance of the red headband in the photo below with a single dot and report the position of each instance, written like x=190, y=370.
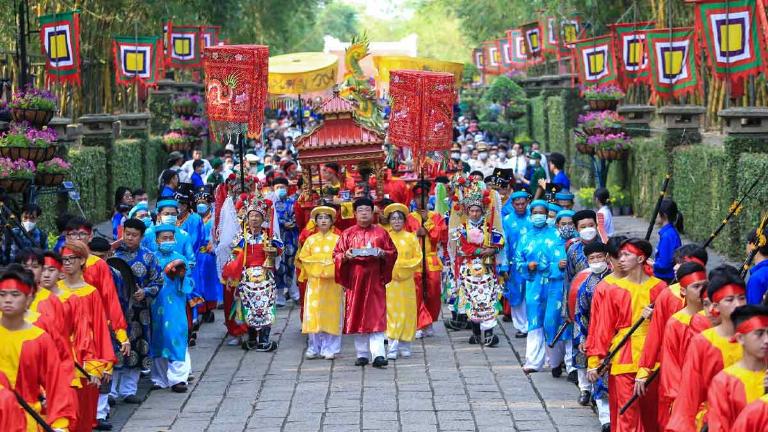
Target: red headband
x=51, y=262
x=694, y=259
x=15, y=284
x=752, y=324
x=634, y=250
x=727, y=290
x=692, y=278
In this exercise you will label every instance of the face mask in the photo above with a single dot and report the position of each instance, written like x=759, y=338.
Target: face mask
x=202, y=208
x=539, y=220
x=28, y=225
x=598, y=267
x=455, y=156
x=168, y=219
x=147, y=221
x=567, y=232
x=167, y=247
x=281, y=193
x=588, y=234
x=465, y=157
x=482, y=156
x=501, y=155
x=550, y=221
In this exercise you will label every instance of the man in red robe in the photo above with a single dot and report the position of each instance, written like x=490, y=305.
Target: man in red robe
x=434, y=233
x=12, y=416
x=629, y=299
x=364, y=258
x=680, y=328
x=30, y=360
x=754, y=417
x=709, y=351
x=743, y=382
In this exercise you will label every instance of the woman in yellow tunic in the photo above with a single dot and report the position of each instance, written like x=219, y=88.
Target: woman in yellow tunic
x=323, y=303
x=401, y=292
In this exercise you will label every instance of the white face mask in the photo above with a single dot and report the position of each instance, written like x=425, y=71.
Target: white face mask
x=465, y=157
x=455, y=155
x=588, y=234
x=28, y=225
x=598, y=267
x=482, y=156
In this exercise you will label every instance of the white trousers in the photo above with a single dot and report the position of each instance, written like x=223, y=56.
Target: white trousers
x=519, y=318
x=125, y=382
x=323, y=343
x=394, y=346
x=562, y=352
x=370, y=344
x=584, y=384
x=169, y=373
x=535, y=352
x=603, y=410
x=102, y=409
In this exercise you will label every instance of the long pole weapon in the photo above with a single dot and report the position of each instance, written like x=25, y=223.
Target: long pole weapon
x=607, y=360
x=32, y=413
x=735, y=207
x=655, y=213
x=651, y=377
x=760, y=242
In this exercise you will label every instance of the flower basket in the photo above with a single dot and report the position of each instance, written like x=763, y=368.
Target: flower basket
x=612, y=154
x=585, y=148
x=49, y=179
x=35, y=117
x=184, y=110
x=603, y=104
x=180, y=147
x=15, y=184
x=34, y=154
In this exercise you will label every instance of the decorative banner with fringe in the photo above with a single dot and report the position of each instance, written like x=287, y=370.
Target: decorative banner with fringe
x=477, y=56
x=672, y=56
x=533, y=39
x=385, y=64
x=594, y=60
x=60, y=43
x=209, y=35
x=517, y=48
x=236, y=87
x=631, y=52
x=184, y=46
x=570, y=31
x=550, y=38
x=492, y=57
x=137, y=60
x=730, y=31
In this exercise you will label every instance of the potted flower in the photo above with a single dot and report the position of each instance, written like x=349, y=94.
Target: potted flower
x=186, y=104
x=24, y=142
x=602, y=96
x=611, y=146
x=33, y=105
x=597, y=122
x=15, y=175
x=52, y=172
x=585, y=197
x=189, y=125
x=175, y=141
x=583, y=145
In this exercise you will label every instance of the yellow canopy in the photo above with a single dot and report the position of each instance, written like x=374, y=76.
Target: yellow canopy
x=303, y=72
x=384, y=64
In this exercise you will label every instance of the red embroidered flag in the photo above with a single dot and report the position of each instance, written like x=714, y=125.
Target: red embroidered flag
x=631, y=52
x=184, y=46
x=595, y=61
x=236, y=84
x=60, y=42
x=672, y=58
x=138, y=60
x=517, y=48
x=491, y=57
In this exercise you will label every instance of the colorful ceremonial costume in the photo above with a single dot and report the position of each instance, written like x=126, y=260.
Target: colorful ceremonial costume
x=365, y=279
x=515, y=227
x=98, y=274
x=149, y=278
x=437, y=234
x=206, y=278
x=626, y=302
x=171, y=363
x=324, y=299
x=12, y=416
x=49, y=313
x=289, y=234
x=402, y=311
x=554, y=309
x=754, y=417
x=729, y=392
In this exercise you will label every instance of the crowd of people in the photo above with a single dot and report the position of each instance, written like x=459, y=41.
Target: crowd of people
x=492, y=236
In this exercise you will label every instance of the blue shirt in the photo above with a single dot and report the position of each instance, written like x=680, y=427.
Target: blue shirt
x=562, y=180
x=197, y=181
x=757, y=283
x=669, y=241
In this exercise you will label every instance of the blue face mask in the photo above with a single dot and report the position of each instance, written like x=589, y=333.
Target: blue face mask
x=167, y=247
x=281, y=193
x=147, y=221
x=539, y=220
x=202, y=208
x=168, y=219
x=551, y=222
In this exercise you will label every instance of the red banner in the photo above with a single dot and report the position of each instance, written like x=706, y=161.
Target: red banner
x=422, y=110
x=236, y=84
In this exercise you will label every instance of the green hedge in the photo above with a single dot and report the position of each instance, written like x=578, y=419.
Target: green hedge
x=750, y=167
x=89, y=173
x=154, y=161
x=126, y=165
x=539, y=121
x=162, y=113
x=648, y=165
x=557, y=136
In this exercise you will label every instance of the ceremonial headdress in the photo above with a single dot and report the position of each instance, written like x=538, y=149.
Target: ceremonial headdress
x=164, y=228
x=563, y=213
x=142, y=206
x=395, y=207
x=519, y=194
x=749, y=318
x=469, y=193
x=203, y=193
x=584, y=214
x=554, y=207
x=539, y=203
x=323, y=210
x=565, y=196
x=166, y=203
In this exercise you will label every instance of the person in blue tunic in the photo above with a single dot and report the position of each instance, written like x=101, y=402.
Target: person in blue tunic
x=554, y=312
x=532, y=261
x=564, y=199
x=758, y=274
x=149, y=278
x=188, y=219
x=171, y=363
x=671, y=222
x=169, y=181
x=289, y=232
x=123, y=203
x=552, y=210
x=205, y=274
x=585, y=222
x=515, y=224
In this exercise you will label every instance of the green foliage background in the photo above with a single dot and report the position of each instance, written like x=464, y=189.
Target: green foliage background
x=539, y=121
x=89, y=173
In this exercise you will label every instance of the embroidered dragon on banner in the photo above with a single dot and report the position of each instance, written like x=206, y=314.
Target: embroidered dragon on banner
x=359, y=88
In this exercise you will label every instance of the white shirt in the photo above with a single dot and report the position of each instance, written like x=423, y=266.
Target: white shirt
x=486, y=167
x=518, y=164
x=188, y=170
x=608, y=219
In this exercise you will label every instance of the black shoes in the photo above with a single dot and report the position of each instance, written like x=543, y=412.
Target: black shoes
x=132, y=399
x=103, y=425
x=209, y=317
x=606, y=428
x=111, y=401
x=179, y=388
x=557, y=372
x=380, y=362
x=506, y=318
x=474, y=339
x=491, y=340
x=584, y=398
x=573, y=377
x=520, y=335
x=361, y=361
x=266, y=347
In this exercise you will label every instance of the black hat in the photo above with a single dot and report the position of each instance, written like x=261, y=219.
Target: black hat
x=99, y=244
x=584, y=214
x=362, y=202
x=280, y=180
x=594, y=247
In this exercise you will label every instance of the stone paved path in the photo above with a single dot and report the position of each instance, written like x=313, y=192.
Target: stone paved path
x=447, y=385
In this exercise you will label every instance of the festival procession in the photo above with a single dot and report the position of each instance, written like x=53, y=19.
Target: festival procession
x=549, y=219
